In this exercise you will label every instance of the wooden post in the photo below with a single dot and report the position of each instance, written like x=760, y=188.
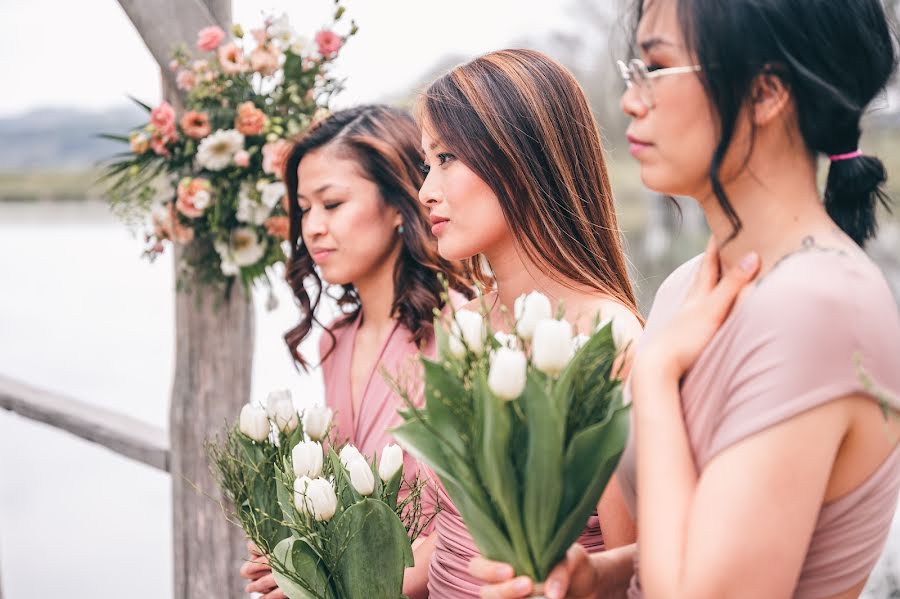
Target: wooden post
x=214, y=355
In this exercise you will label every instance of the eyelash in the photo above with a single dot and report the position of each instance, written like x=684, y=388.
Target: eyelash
x=330, y=206
x=443, y=157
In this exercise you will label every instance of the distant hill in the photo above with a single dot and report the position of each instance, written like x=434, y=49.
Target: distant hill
x=63, y=139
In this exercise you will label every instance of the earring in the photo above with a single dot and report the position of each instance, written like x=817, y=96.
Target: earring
x=400, y=230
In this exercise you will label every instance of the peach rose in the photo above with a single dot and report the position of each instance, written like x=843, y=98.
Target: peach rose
x=209, y=38
x=278, y=226
x=250, y=120
x=242, y=159
x=196, y=124
x=185, y=80
x=140, y=142
x=329, y=42
x=167, y=226
x=274, y=155
x=264, y=60
x=163, y=116
x=232, y=59
x=194, y=196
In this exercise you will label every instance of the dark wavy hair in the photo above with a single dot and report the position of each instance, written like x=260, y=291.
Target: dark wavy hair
x=835, y=57
x=522, y=123
x=385, y=143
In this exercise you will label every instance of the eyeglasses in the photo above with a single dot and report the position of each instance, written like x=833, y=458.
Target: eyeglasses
x=637, y=75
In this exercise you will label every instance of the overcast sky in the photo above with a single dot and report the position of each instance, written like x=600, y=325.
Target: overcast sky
x=86, y=53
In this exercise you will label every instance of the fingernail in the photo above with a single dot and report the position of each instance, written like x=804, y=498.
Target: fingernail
x=522, y=585
x=503, y=572
x=748, y=263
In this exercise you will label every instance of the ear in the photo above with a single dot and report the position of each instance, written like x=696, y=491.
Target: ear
x=770, y=98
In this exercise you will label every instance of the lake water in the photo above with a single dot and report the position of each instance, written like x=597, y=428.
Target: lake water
x=83, y=314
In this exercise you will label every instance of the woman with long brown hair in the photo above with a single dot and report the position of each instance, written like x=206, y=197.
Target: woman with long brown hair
x=517, y=185
x=357, y=230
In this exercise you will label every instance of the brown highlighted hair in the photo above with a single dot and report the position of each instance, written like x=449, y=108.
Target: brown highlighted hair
x=385, y=143
x=521, y=122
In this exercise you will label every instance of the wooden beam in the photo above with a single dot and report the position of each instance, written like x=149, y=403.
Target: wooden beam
x=122, y=434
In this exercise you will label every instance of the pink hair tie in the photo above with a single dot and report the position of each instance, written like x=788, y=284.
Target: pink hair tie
x=847, y=156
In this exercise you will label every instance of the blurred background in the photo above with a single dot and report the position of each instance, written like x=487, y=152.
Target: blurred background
x=83, y=314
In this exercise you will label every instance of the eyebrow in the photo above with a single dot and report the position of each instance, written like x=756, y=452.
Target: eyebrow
x=320, y=190
x=653, y=42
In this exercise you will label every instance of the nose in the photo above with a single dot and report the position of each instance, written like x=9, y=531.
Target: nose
x=429, y=194
x=632, y=104
x=314, y=223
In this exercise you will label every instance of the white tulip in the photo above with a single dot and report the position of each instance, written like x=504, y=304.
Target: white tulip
x=348, y=454
x=316, y=420
x=579, y=341
x=551, y=346
x=307, y=459
x=507, y=375
x=281, y=410
x=391, y=461
x=529, y=310
x=621, y=332
x=315, y=497
x=361, y=476
x=507, y=340
x=467, y=331
x=254, y=422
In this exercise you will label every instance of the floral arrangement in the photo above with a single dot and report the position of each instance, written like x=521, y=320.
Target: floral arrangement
x=218, y=165
x=332, y=523
x=523, y=429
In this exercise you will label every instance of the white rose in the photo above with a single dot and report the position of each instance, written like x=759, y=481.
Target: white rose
x=467, y=330
x=529, y=310
x=391, y=461
x=348, y=454
x=201, y=199
x=229, y=268
x=508, y=372
x=361, y=476
x=315, y=497
x=251, y=211
x=316, y=420
x=245, y=246
x=307, y=458
x=254, y=422
x=551, y=346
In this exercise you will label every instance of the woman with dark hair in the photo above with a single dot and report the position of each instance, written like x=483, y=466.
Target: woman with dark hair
x=761, y=464
x=517, y=185
x=356, y=226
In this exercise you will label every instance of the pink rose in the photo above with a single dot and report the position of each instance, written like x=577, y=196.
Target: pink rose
x=329, y=42
x=200, y=65
x=196, y=124
x=194, y=196
x=163, y=116
x=264, y=60
x=173, y=65
x=232, y=59
x=167, y=226
x=242, y=158
x=274, y=155
x=185, y=80
x=158, y=145
x=278, y=226
x=250, y=120
x=209, y=38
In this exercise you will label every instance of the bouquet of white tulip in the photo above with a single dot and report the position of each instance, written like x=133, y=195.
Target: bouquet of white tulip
x=351, y=527
x=245, y=462
x=523, y=429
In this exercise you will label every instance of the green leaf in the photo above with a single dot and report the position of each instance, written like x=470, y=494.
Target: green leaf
x=299, y=572
x=141, y=104
x=371, y=551
x=392, y=489
x=543, y=482
x=590, y=461
x=442, y=387
x=497, y=470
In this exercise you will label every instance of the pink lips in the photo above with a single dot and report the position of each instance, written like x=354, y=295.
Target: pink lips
x=438, y=224
x=637, y=145
x=320, y=254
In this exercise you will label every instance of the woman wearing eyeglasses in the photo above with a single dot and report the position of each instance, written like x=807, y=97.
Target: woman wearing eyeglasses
x=760, y=465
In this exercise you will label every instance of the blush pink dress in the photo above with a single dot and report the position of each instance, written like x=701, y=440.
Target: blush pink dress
x=790, y=346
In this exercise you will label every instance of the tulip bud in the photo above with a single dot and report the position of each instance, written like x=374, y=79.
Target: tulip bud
x=507, y=375
x=467, y=331
x=551, y=346
x=315, y=497
x=348, y=454
x=507, y=340
x=391, y=461
x=254, y=423
x=316, y=420
x=307, y=459
x=281, y=410
x=361, y=476
x=529, y=310
x=620, y=331
x=579, y=341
